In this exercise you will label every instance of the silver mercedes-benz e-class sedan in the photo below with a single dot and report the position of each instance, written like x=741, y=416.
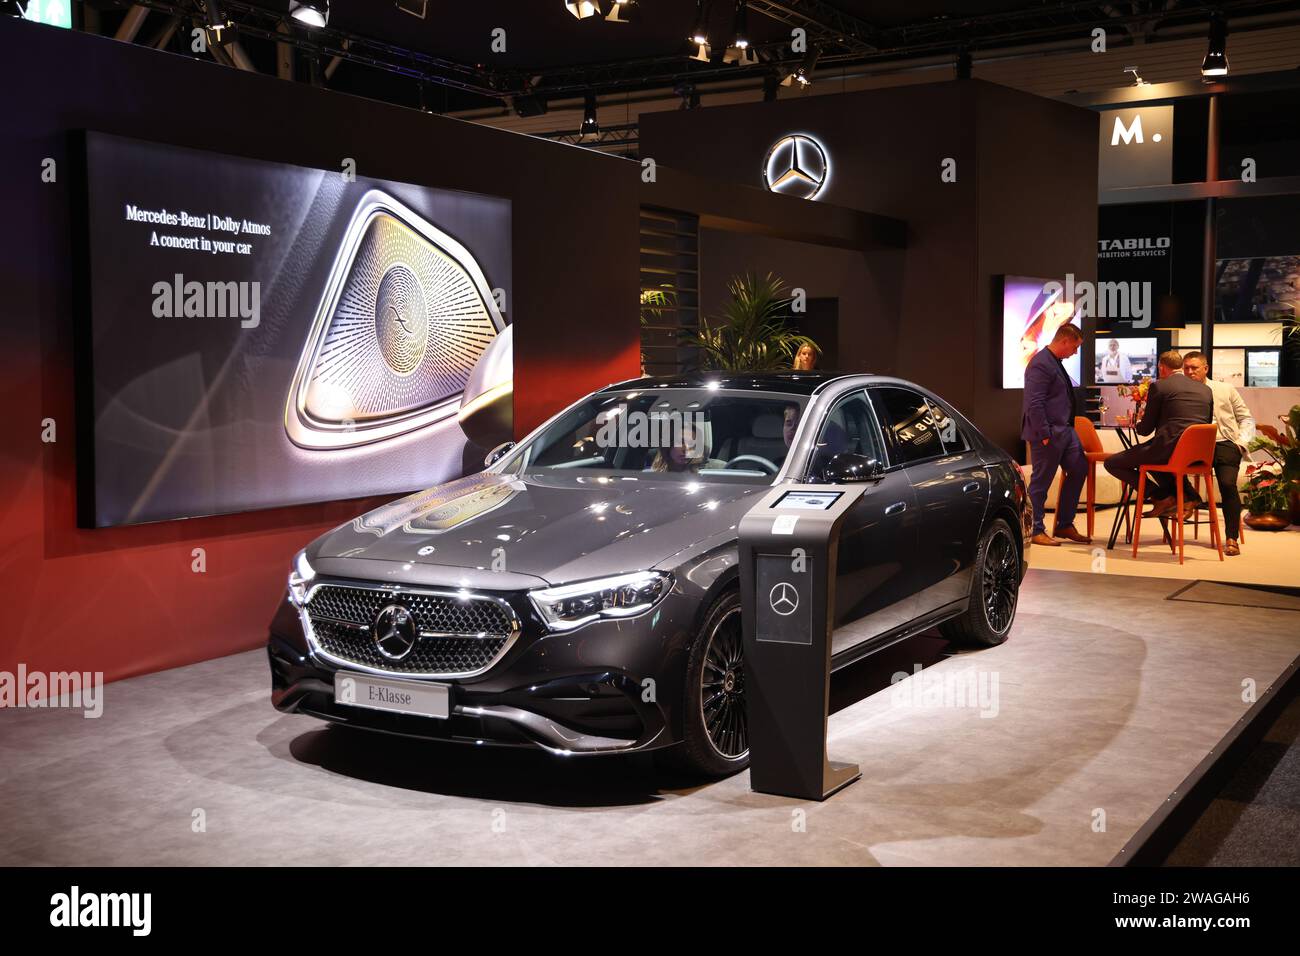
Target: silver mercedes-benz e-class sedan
x=581, y=594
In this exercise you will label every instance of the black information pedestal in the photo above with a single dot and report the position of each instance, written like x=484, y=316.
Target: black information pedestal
x=788, y=548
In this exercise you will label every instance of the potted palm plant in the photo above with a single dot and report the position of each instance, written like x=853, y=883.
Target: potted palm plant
x=750, y=335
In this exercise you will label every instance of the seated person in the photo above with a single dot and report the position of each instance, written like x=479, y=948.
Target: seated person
x=789, y=423
x=687, y=454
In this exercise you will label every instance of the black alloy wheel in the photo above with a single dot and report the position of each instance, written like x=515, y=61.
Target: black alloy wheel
x=722, y=688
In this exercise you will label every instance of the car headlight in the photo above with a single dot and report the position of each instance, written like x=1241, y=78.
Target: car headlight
x=625, y=595
x=300, y=579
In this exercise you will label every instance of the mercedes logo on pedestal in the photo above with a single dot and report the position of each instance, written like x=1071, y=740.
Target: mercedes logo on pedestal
x=394, y=632
x=784, y=599
x=796, y=165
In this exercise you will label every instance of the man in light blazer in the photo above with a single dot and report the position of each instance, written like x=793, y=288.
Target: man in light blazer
x=1236, y=428
x=1047, y=424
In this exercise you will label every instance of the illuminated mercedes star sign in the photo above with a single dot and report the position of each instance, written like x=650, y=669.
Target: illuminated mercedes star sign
x=796, y=165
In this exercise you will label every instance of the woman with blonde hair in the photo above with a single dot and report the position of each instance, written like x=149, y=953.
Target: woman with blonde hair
x=805, y=360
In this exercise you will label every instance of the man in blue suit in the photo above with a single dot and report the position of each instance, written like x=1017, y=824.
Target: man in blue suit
x=1048, y=426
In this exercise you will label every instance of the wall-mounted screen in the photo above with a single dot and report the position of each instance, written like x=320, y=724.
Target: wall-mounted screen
x=264, y=334
x=1032, y=310
x=1262, y=369
x=1259, y=289
x=1229, y=365
x=1121, y=360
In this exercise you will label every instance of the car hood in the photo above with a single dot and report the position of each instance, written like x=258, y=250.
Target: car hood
x=509, y=531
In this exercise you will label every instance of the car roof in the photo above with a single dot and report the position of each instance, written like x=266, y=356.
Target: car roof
x=796, y=383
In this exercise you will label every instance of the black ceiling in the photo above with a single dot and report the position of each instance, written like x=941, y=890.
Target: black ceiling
x=446, y=58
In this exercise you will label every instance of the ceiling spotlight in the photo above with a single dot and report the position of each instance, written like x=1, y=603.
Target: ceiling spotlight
x=214, y=21
x=310, y=13
x=700, y=32
x=745, y=57
x=1137, y=77
x=964, y=64
x=740, y=28
x=623, y=11
x=582, y=9
x=1216, y=58
x=701, y=53
x=589, y=124
x=804, y=71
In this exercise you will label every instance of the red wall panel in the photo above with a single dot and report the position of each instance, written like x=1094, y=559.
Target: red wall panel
x=125, y=600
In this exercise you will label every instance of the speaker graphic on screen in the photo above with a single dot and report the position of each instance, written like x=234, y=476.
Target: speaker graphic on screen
x=404, y=320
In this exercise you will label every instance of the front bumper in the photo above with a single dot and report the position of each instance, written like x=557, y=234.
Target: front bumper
x=604, y=688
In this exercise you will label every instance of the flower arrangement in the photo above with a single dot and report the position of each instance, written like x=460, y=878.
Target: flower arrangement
x=1266, y=493
x=1138, y=393
x=1273, y=487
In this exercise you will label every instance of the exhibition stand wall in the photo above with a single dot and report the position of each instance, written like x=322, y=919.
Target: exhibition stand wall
x=1022, y=200
x=131, y=600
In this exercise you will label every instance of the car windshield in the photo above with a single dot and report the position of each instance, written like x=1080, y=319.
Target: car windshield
x=709, y=433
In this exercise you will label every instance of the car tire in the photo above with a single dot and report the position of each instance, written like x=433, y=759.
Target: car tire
x=715, y=726
x=994, y=591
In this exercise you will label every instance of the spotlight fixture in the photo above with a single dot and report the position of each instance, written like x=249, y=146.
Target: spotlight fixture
x=214, y=20
x=701, y=53
x=623, y=11
x=1137, y=77
x=740, y=27
x=589, y=124
x=964, y=64
x=310, y=13
x=700, y=32
x=803, y=73
x=582, y=9
x=1216, y=58
x=740, y=57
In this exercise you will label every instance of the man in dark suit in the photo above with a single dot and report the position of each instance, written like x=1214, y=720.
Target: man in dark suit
x=1173, y=403
x=1048, y=425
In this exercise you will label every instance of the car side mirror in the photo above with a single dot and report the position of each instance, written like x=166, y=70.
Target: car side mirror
x=496, y=454
x=847, y=467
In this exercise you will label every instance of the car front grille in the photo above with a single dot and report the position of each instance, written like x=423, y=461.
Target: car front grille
x=459, y=635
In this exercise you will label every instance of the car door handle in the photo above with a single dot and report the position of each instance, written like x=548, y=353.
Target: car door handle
x=898, y=507
x=970, y=486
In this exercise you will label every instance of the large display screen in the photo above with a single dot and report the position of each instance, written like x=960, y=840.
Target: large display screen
x=1260, y=289
x=1122, y=360
x=1032, y=311
x=264, y=334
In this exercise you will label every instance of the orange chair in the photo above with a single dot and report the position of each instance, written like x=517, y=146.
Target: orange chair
x=1193, y=455
x=1091, y=442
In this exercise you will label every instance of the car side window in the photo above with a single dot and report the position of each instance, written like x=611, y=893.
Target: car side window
x=848, y=427
x=951, y=436
x=906, y=417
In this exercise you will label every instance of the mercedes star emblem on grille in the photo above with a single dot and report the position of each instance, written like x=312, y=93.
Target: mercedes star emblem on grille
x=796, y=165
x=395, y=633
